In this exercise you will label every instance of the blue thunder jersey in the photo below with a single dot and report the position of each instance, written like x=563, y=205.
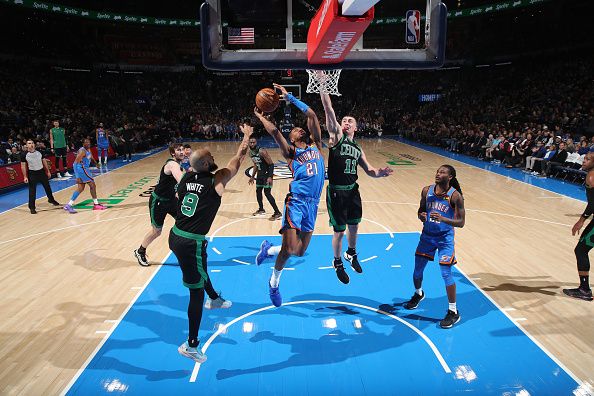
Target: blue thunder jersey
x=308, y=172
x=86, y=160
x=442, y=205
x=101, y=137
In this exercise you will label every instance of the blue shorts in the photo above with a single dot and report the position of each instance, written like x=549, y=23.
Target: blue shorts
x=300, y=213
x=81, y=173
x=443, y=244
x=103, y=145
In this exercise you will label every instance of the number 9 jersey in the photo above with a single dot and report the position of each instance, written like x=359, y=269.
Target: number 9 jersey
x=308, y=171
x=198, y=203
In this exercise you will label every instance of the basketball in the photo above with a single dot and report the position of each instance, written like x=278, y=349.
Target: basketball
x=267, y=100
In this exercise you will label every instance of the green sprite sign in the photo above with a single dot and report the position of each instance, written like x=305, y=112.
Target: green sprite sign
x=396, y=160
x=118, y=196
x=146, y=20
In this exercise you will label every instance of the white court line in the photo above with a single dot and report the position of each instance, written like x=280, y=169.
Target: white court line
x=519, y=326
x=396, y=266
x=322, y=268
x=389, y=246
x=381, y=225
x=215, y=270
x=485, y=170
x=102, y=332
x=520, y=319
x=223, y=328
x=288, y=269
x=74, y=185
x=104, y=340
x=216, y=250
x=72, y=226
x=240, y=262
x=368, y=259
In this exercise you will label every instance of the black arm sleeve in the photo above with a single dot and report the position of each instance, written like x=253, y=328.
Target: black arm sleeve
x=270, y=171
x=590, y=208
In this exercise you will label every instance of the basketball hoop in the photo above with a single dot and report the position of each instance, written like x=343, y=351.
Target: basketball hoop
x=323, y=81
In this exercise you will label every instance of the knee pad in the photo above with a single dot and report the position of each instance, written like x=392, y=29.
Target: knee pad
x=446, y=274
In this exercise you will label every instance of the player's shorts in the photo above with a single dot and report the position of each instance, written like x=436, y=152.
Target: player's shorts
x=300, y=213
x=263, y=182
x=103, y=145
x=344, y=206
x=190, y=250
x=80, y=172
x=60, y=152
x=443, y=244
x=159, y=208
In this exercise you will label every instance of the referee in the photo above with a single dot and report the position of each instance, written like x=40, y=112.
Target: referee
x=35, y=171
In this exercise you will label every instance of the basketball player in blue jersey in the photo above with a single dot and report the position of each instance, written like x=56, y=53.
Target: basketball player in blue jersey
x=102, y=144
x=441, y=209
x=301, y=205
x=185, y=163
x=83, y=177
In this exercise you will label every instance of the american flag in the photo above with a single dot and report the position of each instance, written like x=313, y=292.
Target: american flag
x=240, y=35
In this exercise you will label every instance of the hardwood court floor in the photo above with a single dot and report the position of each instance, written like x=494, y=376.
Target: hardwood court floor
x=66, y=279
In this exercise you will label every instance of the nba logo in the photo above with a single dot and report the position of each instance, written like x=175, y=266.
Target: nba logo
x=413, y=26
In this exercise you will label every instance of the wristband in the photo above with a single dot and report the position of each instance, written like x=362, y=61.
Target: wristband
x=299, y=104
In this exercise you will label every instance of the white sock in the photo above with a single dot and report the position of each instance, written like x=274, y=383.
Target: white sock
x=419, y=291
x=452, y=307
x=71, y=202
x=95, y=201
x=273, y=251
x=275, y=277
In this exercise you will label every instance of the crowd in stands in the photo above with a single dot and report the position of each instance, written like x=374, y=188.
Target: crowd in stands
x=531, y=115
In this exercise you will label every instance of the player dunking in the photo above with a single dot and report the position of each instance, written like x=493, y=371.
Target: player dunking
x=301, y=205
x=262, y=172
x=162, y=201
x=200, y=192
x=83, y=177
x=586, y=242
x=343, y=199
x=441, y=209
x=102, y=144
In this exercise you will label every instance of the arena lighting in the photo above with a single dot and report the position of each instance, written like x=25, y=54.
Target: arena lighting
x=451, y=68
x=133, y=72
x=482, y=65
x=112, y=71
x=503, y=64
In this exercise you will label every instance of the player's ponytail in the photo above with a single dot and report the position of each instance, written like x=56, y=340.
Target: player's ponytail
x=454, y=182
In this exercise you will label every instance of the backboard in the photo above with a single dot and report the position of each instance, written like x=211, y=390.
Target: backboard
x=272, y=35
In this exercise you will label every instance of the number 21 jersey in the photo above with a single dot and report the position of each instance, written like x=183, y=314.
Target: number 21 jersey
x=308, y=171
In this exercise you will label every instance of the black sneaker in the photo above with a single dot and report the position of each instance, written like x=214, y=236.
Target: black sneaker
x=33, y=211
x=55, y=203
x=259, y=212
x=275, y=216
x=414, y=301
x=340, y=272
x=354, y=262
x=579, y=293
x=450, y=319
x=141, y=257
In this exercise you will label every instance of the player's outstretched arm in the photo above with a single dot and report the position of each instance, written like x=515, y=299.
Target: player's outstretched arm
x=273, y=131
x=174, y=169
x=223, y=176
x=334, y=129
x=370, y=170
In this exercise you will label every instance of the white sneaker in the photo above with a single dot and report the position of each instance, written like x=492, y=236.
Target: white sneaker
x=219, y=302
x=58, y=175
x=192, y=353
x=67, y=174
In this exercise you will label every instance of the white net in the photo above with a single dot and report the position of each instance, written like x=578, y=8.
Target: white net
x=324, y=81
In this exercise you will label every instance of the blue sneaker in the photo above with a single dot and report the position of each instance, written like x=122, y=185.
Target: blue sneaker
x=263, y=253
x=275, y=296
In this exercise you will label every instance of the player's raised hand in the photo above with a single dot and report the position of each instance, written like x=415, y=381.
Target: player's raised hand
x=247, y=131
x=282, y=89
